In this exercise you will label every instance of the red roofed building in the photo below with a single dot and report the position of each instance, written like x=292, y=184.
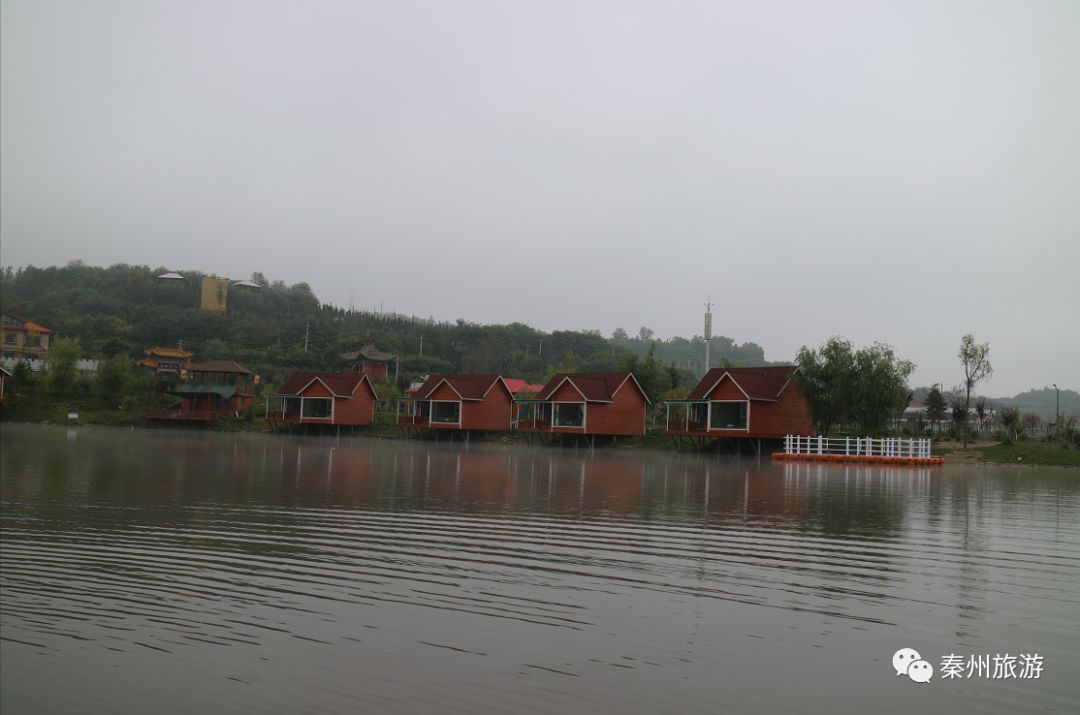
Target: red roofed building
x=758, y=402
x=323, y=398
x=208, y=390
x=166, y=361
x=459, y=402
x=586, y=403
x=22, y=340
x=372, y=362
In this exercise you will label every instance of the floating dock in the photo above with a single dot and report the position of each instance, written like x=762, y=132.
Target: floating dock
x=865, y=450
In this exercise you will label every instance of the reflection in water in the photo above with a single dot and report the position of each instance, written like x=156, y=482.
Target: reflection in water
x=181, y=571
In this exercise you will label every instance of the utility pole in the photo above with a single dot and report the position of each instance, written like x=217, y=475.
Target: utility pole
x=708, y=330
x=1057, y=409
x=307, y=334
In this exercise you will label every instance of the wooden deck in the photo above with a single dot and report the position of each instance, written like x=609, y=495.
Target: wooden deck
x=280, y=419
x=186, y=415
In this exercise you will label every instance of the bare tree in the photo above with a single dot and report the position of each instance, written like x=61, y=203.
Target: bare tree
x=976, y=362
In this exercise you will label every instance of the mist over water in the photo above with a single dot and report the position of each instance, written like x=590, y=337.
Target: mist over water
x=184, y=571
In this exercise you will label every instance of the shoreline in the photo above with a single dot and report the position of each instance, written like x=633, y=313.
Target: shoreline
x=1023, y=453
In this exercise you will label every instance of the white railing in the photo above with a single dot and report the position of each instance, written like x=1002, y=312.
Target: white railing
x=82, y=365
x=858, y=446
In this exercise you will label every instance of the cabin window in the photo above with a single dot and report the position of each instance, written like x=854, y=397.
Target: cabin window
x=317, y=408
x=9, y=338
x=728, y=415
x=446, y=412
x=569, y=414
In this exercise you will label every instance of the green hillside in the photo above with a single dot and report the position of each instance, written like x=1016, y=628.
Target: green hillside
x=124, y=309
x=1042, y=402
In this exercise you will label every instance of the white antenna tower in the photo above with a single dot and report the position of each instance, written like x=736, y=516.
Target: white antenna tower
x=708, y=330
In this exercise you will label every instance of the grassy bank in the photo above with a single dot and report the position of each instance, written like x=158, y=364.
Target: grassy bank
x=1023, y=452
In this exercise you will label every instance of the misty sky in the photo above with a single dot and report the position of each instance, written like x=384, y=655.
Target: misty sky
x=904, y=172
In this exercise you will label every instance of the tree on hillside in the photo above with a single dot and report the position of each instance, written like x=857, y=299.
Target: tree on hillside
x=113, y=377
x=654, y=378
x=63, y=354
x=976, y=361
x=862, y=388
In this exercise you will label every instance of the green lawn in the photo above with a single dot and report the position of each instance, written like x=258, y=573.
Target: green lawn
x=1028, y=452
x=1032, y=452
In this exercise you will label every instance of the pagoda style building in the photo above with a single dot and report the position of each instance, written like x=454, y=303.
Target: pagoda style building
x=166, y=361
x=372, y=362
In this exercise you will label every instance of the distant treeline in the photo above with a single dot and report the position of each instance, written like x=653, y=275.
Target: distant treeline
x=1041, y=402
x=124, y=309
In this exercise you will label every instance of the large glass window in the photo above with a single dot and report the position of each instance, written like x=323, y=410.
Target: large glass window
x=291, y=406
x=318, y=407
x=569, y=414
x=729, y=415
x=446, y=412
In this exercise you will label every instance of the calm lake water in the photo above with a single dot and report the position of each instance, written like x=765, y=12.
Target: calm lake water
x=169, y=572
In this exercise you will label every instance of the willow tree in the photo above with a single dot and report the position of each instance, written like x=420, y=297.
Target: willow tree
x=824, y=377
x=879, y=391
x=862, y=389
x=976, y=362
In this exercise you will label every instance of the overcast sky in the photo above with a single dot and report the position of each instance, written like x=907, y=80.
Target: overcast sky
x=904, y=172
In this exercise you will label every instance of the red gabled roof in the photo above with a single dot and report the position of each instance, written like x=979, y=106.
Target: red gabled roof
x=470, y=387
x=342, y=384
x=757, y=383
x=517, y=385
x=593, y=386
